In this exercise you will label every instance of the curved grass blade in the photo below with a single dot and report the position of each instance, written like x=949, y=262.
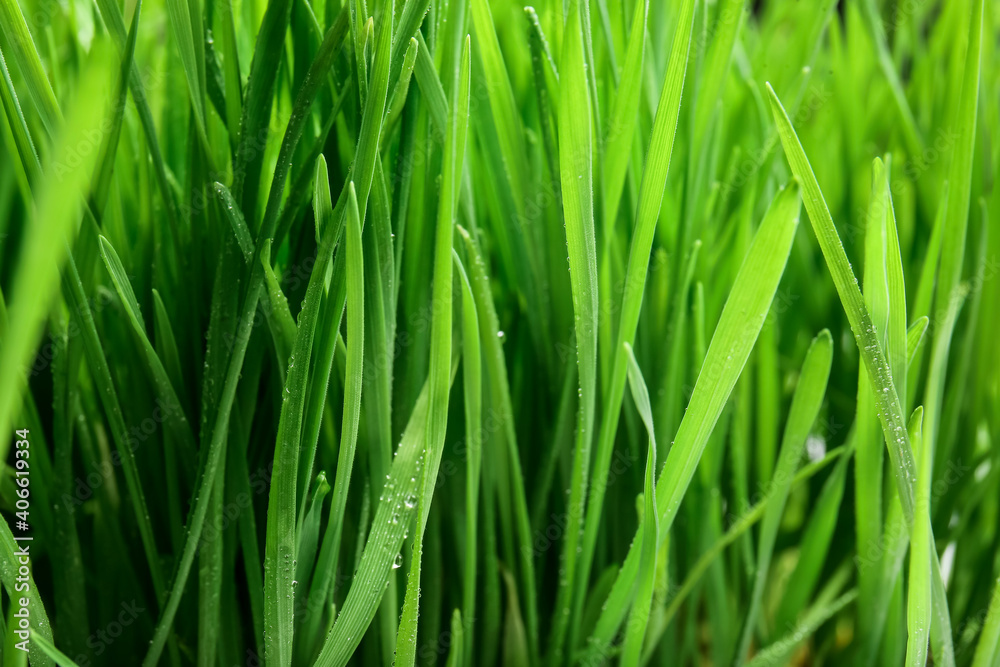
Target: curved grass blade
x=739, y=324
x=164, y=387
x=393, y=517
x=635, y=629
x=802, y=414
x=887, y=402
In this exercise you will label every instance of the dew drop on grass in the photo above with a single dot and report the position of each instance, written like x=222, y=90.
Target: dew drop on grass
x=398, y=562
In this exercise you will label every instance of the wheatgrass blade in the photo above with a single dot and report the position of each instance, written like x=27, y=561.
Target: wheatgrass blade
x=741, y=320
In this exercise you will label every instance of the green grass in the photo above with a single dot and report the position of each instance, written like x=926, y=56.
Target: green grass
x=320, y=317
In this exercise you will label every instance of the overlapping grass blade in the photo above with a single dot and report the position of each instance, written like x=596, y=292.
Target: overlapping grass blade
x=868, y=469
x=887, y=402
x=186, y=26
x=638, y=621
x=918, y=596
x=393, y=518
x=886, y=399
x=740, y=322
x=438, y=381
x=654, y=179
x=472, y=382
x=167, y=394
x=624, y=115
x=805, y=407
x=780, y=651
x=499, y=393
x=44, y=249
x=576, y=173
x=367, y=147
x=40, y=90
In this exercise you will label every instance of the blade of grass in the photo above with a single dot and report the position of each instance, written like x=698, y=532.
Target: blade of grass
x=887, y=402
x=280, y=552
x=472, y=382
x=741, y=320
x=353, y=379
x=441, y=348
x=989, y=640
x=35, y=280
x=158, y=374
x=366, y=153
x=869, y=456
x=918, y=596
x=635, y=629
x=651, y=192
x=802, y=414
x=109, y=144
x=236, y=221
x=624, y=115
x=737, y=529
x=186, y=26
x=499, y=391
x=576, y=173
x=26, y=55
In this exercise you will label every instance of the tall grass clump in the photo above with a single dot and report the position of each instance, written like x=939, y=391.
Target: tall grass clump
x=458, y=332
